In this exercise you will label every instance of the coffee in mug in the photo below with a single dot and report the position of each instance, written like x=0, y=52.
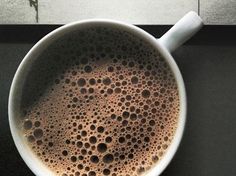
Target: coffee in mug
x=99, y=101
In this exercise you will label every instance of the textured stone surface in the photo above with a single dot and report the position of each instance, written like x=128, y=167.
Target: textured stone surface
x=64, y=11
x=222, y=12
x=17, y=12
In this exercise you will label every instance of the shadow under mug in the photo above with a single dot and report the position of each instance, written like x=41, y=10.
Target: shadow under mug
x=177, y=35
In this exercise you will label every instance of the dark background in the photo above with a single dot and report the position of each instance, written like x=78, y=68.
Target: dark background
x=208, y=66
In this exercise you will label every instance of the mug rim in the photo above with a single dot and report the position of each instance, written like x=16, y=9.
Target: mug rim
x=158, y=168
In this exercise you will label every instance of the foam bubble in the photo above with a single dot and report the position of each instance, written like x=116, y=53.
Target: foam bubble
x=94, y=159
x=106, y=81
x=145, y=93
x=27, y=124
x=108, y=158
x=106, y=172
x=134, y=80
x=31, y=138
x=93, y=140
x=102, y=147
x=88, y=69
x=81, y=82
x=38, y=133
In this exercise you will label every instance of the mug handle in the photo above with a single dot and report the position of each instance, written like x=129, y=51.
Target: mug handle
x=183, y=30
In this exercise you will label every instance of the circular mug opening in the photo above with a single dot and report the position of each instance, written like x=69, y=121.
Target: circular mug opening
x=21, y=94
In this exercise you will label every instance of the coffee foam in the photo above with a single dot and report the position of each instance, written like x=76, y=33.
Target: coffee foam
x=100, y=103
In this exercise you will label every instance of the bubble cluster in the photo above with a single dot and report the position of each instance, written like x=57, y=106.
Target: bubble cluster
x=111, y=108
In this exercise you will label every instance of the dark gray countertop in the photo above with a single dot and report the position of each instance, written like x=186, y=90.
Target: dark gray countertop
x=208, y=66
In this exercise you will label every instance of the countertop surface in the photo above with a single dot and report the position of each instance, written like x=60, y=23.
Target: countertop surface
x=208, y=65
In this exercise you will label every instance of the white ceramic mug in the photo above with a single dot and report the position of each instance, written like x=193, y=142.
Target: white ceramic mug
x=176, y=36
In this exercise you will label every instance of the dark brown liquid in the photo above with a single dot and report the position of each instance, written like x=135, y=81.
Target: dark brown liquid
x=100, y=103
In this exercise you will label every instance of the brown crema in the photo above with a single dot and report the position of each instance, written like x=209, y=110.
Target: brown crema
x=100, y=102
